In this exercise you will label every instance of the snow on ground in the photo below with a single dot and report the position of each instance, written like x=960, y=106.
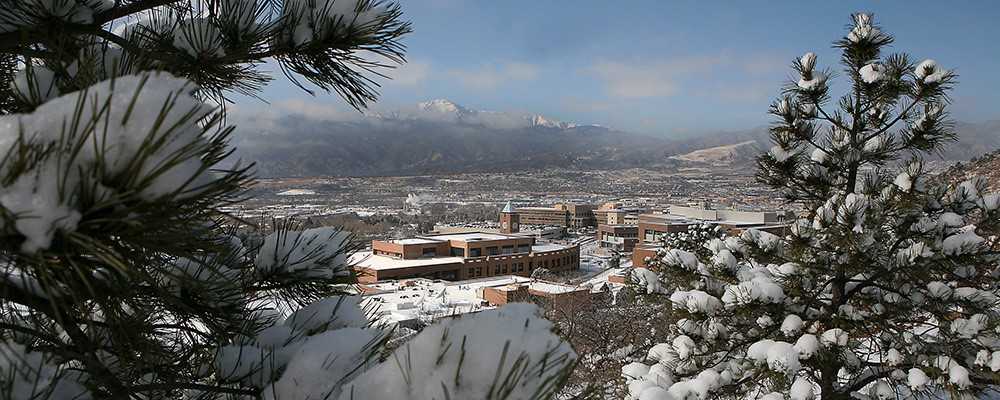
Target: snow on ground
x=721, y=154
x=538, y=248
x=425, y=300
x=365, y=259
x=553, y=288
x=297, y=192
x=602, y=277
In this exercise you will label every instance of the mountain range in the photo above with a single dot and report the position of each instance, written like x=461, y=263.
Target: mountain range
x=441, y=137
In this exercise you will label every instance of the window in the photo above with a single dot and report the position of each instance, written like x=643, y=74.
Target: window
x=429, y=252
x=508, y=249
x=496, y=270
x=492, y=251
x=472, y=271
x=524, y=248
x=477, y=252
x=479, y=271
x=457, y=252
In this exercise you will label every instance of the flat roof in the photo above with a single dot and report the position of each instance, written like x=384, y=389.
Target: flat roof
x=426, y=299
x=471, y=236
x=416, y=241
x=553, y=288
x=540, y=209
x=366, y=259
x=538, y=248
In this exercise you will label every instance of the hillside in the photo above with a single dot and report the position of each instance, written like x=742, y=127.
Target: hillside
x=732, y=154
x=987, y=166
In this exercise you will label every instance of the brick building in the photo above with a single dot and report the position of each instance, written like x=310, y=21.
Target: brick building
x=462, y=256
x=613, y=213
x=580, y=215
x=563, y=214
x=536, y=291
x=618, y=237
x=653, y=227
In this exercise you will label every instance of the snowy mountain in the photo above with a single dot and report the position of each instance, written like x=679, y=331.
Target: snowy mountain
x=441, y=136
x=438, y=136
x=448, y=111
x=442, y=106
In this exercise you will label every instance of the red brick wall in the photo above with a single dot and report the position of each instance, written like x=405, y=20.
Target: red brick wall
x=639, y=255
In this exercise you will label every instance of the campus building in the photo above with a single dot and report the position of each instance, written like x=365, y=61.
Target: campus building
x=653, y=227
x=617, y=237
x=564, y=214
x=614, y=213
x=414, y=303
x=617, y=227
x=510, y=220
x=462, y=256
x=534, y=291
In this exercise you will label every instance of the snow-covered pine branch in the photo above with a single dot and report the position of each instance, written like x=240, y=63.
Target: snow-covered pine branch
x=121, y=276
x=220, y=45
x=886, y=289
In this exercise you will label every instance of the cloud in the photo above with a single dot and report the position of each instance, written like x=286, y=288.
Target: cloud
x=317, y=110
x=491, y=77
x=651, y=79
x=521, y=71
x=725, y=77
x=577, y=104
x=410, y=74
x=766, y=64
x=750, y=92
x=266, y=116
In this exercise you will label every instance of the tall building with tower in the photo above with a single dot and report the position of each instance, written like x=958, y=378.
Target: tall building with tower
x=510, y=220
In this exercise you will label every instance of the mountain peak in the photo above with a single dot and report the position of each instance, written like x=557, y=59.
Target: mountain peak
x=447, y=110
x=441, y=106
x=539, y=120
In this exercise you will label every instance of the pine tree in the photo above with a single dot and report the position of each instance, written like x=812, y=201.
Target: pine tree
x=886, y=289
x=121, y=274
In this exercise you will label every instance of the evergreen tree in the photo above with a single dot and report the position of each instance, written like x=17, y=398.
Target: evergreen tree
x=121, y=275
x=614, y=261
x=887, y=289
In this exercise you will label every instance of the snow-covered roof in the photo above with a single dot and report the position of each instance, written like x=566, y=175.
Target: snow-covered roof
x=471, y=236
x=426, y=299
x=553, y=288
x=365, y=259
x=544, y=247
x=416, y=241
x=602, y=277
x=297, y=192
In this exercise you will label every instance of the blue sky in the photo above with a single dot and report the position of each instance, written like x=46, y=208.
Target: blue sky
x=669, y=68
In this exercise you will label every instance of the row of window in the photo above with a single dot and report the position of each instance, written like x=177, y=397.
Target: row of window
x=518, y=267
x=490, y=251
